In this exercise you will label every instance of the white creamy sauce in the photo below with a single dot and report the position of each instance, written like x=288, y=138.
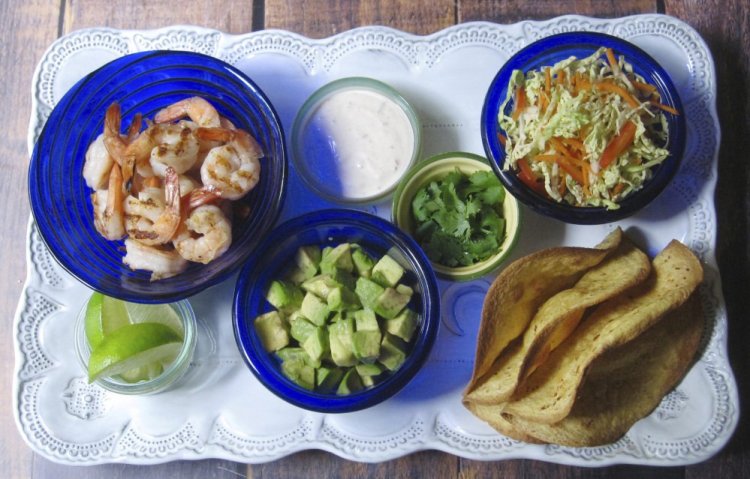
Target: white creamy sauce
x=371, y=139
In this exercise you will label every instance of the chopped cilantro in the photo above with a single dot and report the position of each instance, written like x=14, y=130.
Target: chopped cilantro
x=459, y=218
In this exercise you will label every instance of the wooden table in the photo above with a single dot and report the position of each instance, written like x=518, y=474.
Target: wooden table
x=28, y=27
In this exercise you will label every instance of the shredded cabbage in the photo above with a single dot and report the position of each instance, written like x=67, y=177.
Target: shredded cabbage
x=570, y=116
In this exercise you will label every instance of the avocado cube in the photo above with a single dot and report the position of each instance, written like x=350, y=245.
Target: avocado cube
x=363, y=262
x=366, y=345
x=271, y=329
x=368, y=381
x=316, y=344
x=296, y=352
x=387, y=272
x=344, y=278
x=339, y=257
x=343, y=299
x=404, y=289
x=321, y=285
x=284, y=296
x=328, y=379
x=365, y=320
x=403, y=325
x=390, y=303
x=367, y=370
x=350, y=383
x=300, y=326
x=299, y=372
x=368, y=292
x=341, y=338
x=295, y=276
x=308, y=260
x=392, y=352
x=314, y=309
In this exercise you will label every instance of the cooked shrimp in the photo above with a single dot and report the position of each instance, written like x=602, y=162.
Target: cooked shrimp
x=175, y=146
x=151, y=220
x=196, y=108
x=108, y=208
x=162, y=262
x=115, y=143
x=205, y=235
x=97, y=165
x=234, y=167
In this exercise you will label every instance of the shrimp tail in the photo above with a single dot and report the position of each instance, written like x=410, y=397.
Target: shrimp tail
x=202, y=196
x=215, y=134
x=168, y=222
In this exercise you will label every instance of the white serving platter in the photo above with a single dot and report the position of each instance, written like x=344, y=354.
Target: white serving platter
x=221, y=411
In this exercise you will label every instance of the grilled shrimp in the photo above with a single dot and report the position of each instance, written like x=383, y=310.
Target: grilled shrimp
x=205, y=234
x=234, y=167
x=117, y=144
x=97, y=165
x=151, y=220
x=108, y=209
x=196, y=108
x=162, y=262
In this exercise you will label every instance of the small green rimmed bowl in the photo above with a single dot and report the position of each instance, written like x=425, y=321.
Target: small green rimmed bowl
x=433, y=169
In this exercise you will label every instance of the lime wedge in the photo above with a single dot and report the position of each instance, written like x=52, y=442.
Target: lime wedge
x=148, y=372
x=133, y=346
x=103, y=315
x=155, y=313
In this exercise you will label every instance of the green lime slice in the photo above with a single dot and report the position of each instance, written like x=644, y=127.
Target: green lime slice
x=155, y=313
x=131, y=347
x=103, y=315
x=147, y=372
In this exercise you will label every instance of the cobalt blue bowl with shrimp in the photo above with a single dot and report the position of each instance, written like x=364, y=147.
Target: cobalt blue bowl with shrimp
x=583, y=127
x=156, y=175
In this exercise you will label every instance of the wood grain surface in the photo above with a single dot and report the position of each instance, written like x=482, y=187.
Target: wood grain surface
x=28, y=27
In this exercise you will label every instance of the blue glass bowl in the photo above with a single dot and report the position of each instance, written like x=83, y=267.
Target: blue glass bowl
x=144, y=83
x=547, y=52
x=274, y=255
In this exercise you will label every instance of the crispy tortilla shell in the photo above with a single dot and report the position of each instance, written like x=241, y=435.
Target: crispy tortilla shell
x=623, y=385
x=516, y=294
x=548, y=395
x=558, y=317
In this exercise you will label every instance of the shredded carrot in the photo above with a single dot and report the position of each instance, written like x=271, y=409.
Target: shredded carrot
x=575, y=143
x=549, y=157
x=527, y=177
x=618, y=188
x=561, y=77
x=520, y=102
x=613, y=61
x=644, y=87
x=547, y=80
x=574, y=172
x=664, y=107
x=617, y=89
x=618, y=144
x=502, y=139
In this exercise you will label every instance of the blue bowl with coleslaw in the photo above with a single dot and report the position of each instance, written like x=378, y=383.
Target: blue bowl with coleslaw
x=145, y=83
x=586, y=141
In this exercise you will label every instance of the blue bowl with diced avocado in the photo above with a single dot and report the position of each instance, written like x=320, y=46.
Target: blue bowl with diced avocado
x=336, y=310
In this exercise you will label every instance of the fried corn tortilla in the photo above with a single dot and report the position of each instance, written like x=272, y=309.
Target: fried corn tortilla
x=548, y=395
x=555, y=320
x=622, y=386
x=516, y=294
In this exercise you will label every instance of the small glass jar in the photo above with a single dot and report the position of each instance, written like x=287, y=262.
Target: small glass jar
x=160, y=383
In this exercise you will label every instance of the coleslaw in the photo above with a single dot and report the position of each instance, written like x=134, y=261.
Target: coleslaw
x=587, y=132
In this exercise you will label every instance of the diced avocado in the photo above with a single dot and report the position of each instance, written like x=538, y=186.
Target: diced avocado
x=284, y=296
x=350, y=383
x=339, y=257
x=405, y=290
x=368, y=381
x=300, y=326
x=321, y=285
x=271, y=330
x=402, y=325
x=301, y=373
x=328, y=379
x=296, y=352
x=366, y=370
x=366, y=345
x=316, y=344
x=392, y=352
x=387, y=272
x=390, y=303
x=308, y=260
x=314, y=309
x=341, y=338
x=295, y=276
x=344, y=278
x=363, y=262
x=343, y=299
x=368, y=292
x=365, y=320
